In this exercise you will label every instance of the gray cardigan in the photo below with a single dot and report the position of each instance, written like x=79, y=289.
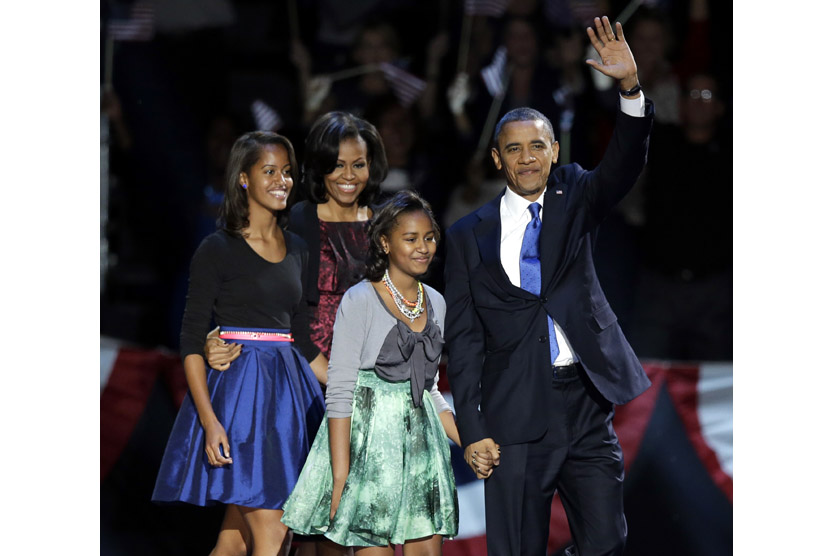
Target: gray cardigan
x=360, y=329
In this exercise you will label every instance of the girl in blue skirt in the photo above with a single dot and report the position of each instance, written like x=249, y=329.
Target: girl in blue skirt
x=242, y=434
x=379, y=471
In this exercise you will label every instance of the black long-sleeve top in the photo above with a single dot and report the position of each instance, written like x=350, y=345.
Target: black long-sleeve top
x=235, y=286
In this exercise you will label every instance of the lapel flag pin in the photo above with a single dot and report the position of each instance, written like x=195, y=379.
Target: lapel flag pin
x=559, y=192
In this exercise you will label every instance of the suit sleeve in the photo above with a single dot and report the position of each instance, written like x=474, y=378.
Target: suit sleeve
x=621, y=164
x=465, y=344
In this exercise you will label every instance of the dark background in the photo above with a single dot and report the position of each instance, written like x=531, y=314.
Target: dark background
x=185, y=95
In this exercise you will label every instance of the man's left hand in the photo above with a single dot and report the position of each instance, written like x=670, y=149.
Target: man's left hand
x=617, y=61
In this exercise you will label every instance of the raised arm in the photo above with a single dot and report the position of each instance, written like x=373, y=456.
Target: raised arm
x=625, y=155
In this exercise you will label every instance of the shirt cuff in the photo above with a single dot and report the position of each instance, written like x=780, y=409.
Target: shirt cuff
x=633, y=106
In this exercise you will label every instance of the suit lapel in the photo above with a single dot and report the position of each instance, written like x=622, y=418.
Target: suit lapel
x=488, y=236
x=552, y=239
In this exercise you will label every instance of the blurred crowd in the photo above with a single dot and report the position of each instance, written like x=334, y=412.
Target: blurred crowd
x=433, y=78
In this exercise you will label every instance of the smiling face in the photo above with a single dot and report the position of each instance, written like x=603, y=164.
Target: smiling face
x=347, y=181
x=268, y=181
x=410, y=245
x=526, y=153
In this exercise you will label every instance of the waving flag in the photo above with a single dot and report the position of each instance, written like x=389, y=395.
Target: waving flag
x=406, y=86
x=138, y=27
x=266, y=118
x=493, y=74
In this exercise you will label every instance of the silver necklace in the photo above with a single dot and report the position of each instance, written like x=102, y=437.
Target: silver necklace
x=401, y=302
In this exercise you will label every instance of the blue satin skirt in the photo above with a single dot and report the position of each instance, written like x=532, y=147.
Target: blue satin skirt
x=271, y=405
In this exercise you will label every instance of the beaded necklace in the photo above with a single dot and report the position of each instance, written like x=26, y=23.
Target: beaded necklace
x=410, y=309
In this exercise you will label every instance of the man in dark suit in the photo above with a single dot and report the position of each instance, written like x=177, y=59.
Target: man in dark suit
x=536, y=357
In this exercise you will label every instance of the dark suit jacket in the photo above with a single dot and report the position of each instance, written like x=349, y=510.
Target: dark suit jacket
x=499, y=358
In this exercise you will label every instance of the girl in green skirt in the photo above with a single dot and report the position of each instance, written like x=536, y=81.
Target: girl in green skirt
x=379, y=473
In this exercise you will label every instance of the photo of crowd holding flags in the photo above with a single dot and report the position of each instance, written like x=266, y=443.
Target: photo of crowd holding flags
x=341, y=244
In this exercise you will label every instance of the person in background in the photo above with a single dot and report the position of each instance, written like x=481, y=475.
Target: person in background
x=684, y=303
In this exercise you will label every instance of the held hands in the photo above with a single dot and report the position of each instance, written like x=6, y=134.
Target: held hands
x=617, y=61
x=482, y=457
x=219, y=353
x=216, y=438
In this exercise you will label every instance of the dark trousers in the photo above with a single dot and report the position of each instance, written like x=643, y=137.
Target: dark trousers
x=579, y=456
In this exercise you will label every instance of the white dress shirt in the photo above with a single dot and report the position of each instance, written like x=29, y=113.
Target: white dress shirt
x=515, y=217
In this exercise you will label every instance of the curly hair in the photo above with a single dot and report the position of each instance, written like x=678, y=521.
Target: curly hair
x=233, y=214
x=385, y=220
x=322, y=147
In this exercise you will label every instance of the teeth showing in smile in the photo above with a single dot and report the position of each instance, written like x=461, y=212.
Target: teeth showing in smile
x=279, y=193
x=347, y=187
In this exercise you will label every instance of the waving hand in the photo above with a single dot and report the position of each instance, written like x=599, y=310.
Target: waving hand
x=616, y=59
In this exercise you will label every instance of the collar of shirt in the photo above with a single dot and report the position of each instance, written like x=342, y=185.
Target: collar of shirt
x=514, y=211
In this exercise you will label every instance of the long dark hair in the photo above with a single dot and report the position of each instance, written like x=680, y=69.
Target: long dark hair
x=233, y=214
x=384, y=221
x=322, y=146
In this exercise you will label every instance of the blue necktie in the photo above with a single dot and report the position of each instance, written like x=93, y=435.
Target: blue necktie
x=530, y=268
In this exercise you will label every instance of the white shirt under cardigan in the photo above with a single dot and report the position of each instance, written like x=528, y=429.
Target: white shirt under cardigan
x=360, y=328
x=515, y=216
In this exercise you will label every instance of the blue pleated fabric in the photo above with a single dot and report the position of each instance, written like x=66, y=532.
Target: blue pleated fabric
x=271, y=405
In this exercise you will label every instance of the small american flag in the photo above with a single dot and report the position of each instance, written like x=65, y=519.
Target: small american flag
x=492, y=8
x=138, y=27
x=266, y=118
x=406, y=86
x=493, y=74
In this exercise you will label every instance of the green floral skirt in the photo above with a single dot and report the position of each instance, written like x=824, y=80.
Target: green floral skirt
x=400, y=484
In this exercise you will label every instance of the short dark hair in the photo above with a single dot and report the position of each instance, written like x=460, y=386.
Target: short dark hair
x=322, y=146
x=523, y=114
x=384, y=221
x=246, y=150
